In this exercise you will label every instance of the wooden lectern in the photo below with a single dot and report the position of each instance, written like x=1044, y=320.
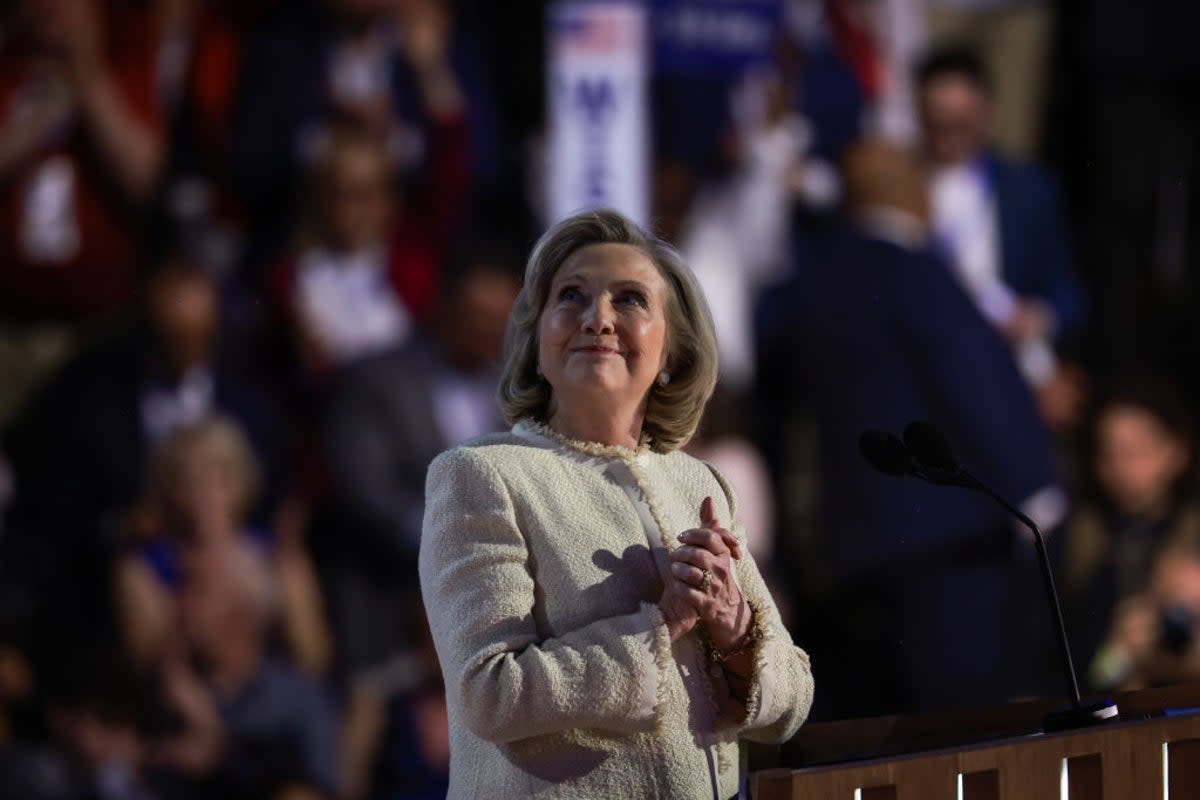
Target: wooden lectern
x=993, y=754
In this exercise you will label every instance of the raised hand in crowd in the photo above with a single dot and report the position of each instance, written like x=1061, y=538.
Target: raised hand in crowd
x=133, y=149
x=196, y=750
x=426, y=28
x=36, y=117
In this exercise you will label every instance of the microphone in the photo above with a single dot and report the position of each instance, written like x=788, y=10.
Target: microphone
x=886, y=453
x=930, y=457
x=930, y=448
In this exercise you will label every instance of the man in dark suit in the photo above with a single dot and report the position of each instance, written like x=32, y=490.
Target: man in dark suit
x=872, y=334
x=1000, y=221
x=388, y=417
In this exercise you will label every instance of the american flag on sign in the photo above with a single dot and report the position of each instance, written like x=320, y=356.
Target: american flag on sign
x=584, y=28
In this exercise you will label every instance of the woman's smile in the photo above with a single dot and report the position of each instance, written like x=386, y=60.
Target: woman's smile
x=597, y=349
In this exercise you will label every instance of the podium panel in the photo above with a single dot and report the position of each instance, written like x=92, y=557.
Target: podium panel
x=1116, y=761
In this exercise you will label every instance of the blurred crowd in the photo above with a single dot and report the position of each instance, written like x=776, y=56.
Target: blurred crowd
x=256, y=260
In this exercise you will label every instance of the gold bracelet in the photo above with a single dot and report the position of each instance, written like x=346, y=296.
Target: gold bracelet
x=749, y=639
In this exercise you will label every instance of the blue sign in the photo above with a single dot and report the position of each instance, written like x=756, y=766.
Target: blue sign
x=713, y=38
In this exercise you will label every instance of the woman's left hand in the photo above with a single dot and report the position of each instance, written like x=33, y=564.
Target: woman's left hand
x=710, y=551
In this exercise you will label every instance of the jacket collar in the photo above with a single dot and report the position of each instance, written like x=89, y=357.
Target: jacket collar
x=528, y=428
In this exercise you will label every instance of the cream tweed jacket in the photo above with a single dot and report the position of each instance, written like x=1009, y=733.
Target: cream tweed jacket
x=541, y=567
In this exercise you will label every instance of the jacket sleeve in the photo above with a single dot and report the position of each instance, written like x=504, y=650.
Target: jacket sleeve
x=1056, y=276
x=781, y=686
x=503, y=677
x=967, y=371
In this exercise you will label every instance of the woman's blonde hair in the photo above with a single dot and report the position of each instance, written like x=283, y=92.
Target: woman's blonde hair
x=220, y=438
x=673, y=410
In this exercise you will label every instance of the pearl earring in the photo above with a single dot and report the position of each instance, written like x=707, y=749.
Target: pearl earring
x=664, y=377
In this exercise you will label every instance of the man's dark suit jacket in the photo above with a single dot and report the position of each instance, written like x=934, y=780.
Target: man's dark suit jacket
x=872, y=335
x=381, y=432
x=1035, y=256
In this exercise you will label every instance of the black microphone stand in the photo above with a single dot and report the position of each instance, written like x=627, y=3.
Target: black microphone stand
x=1079, y=714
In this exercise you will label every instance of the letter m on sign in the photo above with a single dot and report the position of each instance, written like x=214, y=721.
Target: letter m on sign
x=594, y=96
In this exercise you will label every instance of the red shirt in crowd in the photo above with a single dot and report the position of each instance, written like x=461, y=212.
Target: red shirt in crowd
x=68, y=238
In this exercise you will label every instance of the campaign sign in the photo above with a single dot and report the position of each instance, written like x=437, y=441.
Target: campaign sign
x=713, y=38
x=599, y=115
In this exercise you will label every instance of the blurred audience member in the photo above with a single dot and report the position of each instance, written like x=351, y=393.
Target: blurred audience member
x=712, y=234
x=773, y=170
x=81, y=145
x=1013, y=38
x=735, y=229
x=874, y=335
x=96, y=717
x=80, y=452
x=396, y=738
x=364, y=271
x=248, y=726
x=202, y=485
x=375, y=65
x=1001, y=221
x=199, y=57
x=388, y=417
x=1155, y=638
x=169, y=369
x=787, y=119
x=1143, y=443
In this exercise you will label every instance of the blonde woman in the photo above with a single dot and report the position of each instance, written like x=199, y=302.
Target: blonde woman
x=203, y=480
x=601, y=629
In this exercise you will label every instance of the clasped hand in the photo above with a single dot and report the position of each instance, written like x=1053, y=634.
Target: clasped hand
x=692, y=597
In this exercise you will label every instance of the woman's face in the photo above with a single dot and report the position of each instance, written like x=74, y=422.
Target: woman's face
x=1137, y=459
x=603, y=331
x=203, y=495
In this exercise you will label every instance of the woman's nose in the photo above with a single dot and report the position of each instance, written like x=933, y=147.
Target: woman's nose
x=598, y=317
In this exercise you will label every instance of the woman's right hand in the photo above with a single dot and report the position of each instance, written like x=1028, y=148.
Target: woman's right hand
x=678, y=611
x=679, y=604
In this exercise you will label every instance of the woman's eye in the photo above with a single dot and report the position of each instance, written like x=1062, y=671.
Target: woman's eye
x=569, y=293
x=632, y=298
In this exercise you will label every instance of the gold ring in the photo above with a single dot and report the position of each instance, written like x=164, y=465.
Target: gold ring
x=706, y=578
